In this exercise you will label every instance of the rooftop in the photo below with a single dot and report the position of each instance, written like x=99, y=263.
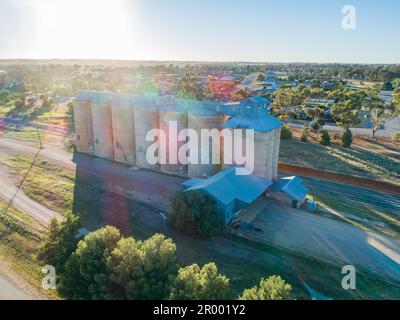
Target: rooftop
x=226, y=186
x=293, y=186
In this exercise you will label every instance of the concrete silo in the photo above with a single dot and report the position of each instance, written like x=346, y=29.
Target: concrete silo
x=102, y=125
x=171, y=118
x=266, y=140
x=123, y=126
x=146, y=119
x=83, y=122
x=205, y=118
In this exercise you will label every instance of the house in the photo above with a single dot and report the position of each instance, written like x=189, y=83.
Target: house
x=289, y=190
x=231, y=192
x=256, y=103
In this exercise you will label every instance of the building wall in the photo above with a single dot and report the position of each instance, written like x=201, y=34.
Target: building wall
x=123, y=133
x=83, y=126
x=102, y=130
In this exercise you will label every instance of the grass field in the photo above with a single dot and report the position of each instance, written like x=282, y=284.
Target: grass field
x=19, y=238
x=355, y=161
x=242, y=261
x=45, y=183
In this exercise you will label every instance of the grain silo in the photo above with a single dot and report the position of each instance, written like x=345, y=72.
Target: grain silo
x=172, y=121
x=102, y=125
x=266, y=139
x=123, y=126
x=205, y=118
x=83, y=122
x=146, y=119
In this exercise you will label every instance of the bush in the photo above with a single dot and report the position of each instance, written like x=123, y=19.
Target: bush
x=273, y=288
x=286, y=133
x=195, y=283
x=196, y=214
x=304, y=134
x=347, y=138
x=315, y=126
x=396, y=136
x=59, y=243
x=324, y=139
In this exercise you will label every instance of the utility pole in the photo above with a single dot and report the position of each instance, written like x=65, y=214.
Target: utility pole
x=40, y=138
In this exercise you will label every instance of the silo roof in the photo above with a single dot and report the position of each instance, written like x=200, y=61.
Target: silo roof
x=261, y=122
x=171, y=107
x=119, y=99
x=101, y=97
x=144, y=102
x=204, y=112
x=83, y=95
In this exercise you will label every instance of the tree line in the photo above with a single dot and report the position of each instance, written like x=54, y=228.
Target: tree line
x=107, y=265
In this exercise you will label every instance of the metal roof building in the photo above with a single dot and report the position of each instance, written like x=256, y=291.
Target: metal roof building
x=293, y=188
x=232, y=192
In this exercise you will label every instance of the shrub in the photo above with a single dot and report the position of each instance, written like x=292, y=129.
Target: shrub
x=59, y=243
x=324, y=138
x=396, y=136
x=195, y=283
x=273, y=288
x=315, y=126
x=196, y=214
x=304, y=134
x=347, y=138
x=286, y=133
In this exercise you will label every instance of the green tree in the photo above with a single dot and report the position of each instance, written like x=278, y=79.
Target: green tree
x=241, y=94
x=286, y=133
x=59, y=242
x=387, y=86
x=380, y=112
x=324, y=138
x=272, y=288
x=346, y=113
x=260, y=78
x=195, y=213
x=317, y=114
x=189, y=87
x=86, y=274
x=142, y=270
x=347, y=138
x=195, y=283
x=304, y=133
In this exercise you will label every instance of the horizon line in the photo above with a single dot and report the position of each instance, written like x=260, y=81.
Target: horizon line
x=200, y=61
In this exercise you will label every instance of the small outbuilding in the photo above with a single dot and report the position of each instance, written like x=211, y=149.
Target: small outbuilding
x=232, y=192
x=289, y=190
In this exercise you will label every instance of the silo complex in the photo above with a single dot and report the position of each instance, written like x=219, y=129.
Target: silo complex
x=172, y=121
x=102, y=125
x=198, y=119
x=115, y=126
x=123, y=127
x=146, y=119
x=83, y=122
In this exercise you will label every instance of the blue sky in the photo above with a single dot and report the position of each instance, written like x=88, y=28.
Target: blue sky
x=201, y=30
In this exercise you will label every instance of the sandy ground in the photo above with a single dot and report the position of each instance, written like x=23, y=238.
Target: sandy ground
x=327, y=239
x=13, y=287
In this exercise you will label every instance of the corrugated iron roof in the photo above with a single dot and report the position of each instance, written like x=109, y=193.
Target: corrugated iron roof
x=226, y=186
x=293, y=186
x=258, y=121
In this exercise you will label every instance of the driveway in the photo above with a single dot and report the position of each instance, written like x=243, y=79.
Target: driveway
x=326, y=239
x=10, y=193
x=9, y=291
